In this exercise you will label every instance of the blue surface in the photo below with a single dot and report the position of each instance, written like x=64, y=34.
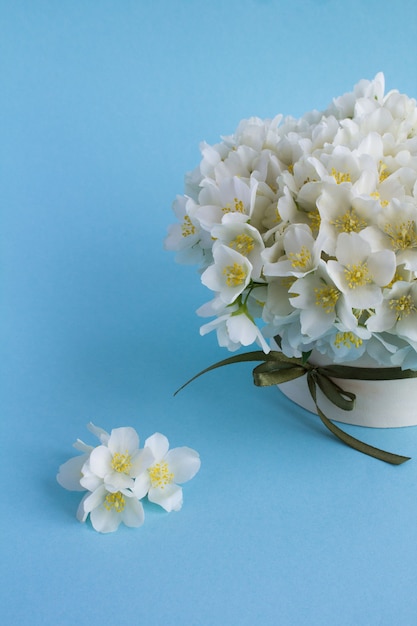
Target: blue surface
x=103, y=105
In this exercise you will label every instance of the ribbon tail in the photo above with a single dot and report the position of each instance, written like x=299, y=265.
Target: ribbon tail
x=356, y=444
x=256, y=355
x=360, y=446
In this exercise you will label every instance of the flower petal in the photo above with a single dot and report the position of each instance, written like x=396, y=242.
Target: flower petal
x=116, y=481
x=81, y=512
x=407, y=327
x=351, y=248
x=89, y=480
x=82, y=447
x=123, y=440
x=382, y=267
x=169, y=498
x=95, y=499
x=365, y=297
x=101, y=434
x=142, y=485
x=158, y=444
x=141, y=461
x=69, y=474
x=184, y=463
x=104, y=520
x=133, y=514
x=100, y=461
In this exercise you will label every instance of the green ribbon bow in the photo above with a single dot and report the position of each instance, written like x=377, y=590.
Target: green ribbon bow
x=277, y=368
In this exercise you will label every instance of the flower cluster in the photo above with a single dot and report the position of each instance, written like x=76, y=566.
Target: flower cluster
x=306, y=229
x=117, y=474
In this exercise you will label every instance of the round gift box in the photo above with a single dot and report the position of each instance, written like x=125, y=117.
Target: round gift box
x=379, y=403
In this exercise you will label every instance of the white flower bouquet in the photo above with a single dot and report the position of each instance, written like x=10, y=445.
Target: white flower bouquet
x=306, y=229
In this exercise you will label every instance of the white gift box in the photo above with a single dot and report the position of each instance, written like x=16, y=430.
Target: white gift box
x=379, y=403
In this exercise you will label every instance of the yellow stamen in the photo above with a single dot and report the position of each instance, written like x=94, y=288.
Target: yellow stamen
x=315, y=220
x=357, y=275
x=121, y=463
x=187, y=228
x=300, y=260
x=403, y=235
x=403, y=306
x=347, y=340
x=238, y=207
x=277, y=216
x=383, y=172
x=160, y=475
x=326, y=297
x=341, y=177
x=235, y=275
x=350, y=222
x=243, y=244
x=115, y=501
x=377, y=196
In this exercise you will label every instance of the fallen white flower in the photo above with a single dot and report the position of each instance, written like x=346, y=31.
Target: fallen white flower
x=170, y=469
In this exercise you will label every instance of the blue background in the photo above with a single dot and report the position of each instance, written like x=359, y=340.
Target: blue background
x=103, y=105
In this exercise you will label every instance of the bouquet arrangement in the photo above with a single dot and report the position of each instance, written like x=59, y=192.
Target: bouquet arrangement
x=306, y=229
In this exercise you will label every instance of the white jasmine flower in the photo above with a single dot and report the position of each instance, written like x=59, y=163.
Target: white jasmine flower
x=321, y=304
x=278, y=305
x=343, y=345
x=234, y=330
x=266, y=169
x=118, y=462
x=398, y=232
x=70, y=472
x=242, y=330
x=187, y=238
x=343, y=166
x=344, y=106
x=359, y=273
x=238, y=162
x=234, y=324
x=243, y=238
x=302, y=253
x=258, y=133
x=169, y=470
x=309, y=172
x=108, y=509
x=212, y=157
x=229, y=275
x=293, y=342
x=340, y=212
x=220, y=325
x=397, y=313
x=287, y=208
x=232, y=195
